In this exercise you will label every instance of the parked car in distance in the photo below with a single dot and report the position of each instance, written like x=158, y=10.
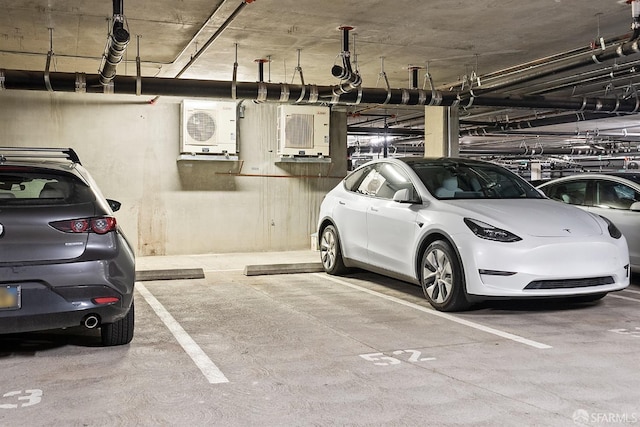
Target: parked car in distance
x=614, y=195
x=467, y=230
x=64, y=261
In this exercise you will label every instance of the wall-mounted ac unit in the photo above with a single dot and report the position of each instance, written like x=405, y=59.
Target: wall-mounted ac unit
x=303, y=130
x=208, y=127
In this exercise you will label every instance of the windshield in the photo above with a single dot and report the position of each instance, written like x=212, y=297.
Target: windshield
x=631, y=176
x=450, y=179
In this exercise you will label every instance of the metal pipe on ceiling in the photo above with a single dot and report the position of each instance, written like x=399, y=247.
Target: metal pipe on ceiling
x=545, y=61
x=389, y=131
x=529, y=124
x=533, y=151
x=117, y=44
x=618, y=72
x=591, y=58
x=282, y=92
x=350, y=79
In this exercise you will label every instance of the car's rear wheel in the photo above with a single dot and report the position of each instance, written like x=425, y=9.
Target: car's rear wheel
x=330, y=252
x=120, y=332
x=441, y=278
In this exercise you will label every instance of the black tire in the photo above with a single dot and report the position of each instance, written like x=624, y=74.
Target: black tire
x=330, y=251
x=120, y=332
x=442, y=279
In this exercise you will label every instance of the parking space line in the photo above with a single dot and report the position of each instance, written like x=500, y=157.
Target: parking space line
x=202, y=361
x=446, y=316
x=630, y=290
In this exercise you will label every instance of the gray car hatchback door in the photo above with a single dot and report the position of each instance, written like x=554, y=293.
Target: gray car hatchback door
x=38, y=213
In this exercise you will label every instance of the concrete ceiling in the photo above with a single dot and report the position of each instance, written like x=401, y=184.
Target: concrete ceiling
x=452, y=39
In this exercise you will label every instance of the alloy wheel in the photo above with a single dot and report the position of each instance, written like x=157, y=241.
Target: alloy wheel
x=437, y=276
x=328, y=249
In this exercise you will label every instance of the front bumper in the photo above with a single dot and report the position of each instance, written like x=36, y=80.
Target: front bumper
x=495, y=269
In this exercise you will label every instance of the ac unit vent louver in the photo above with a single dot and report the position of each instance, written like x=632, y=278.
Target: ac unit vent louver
x=299, y=131
x=201, y=126
x=303, y=131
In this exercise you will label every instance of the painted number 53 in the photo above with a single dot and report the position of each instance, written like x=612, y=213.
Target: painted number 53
x=24, y=398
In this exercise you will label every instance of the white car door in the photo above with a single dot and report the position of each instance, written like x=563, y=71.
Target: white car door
x=392, y=226
x=350, y=213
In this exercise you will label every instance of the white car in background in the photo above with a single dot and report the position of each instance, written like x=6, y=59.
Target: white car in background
x=467, y=230
x=615, y=196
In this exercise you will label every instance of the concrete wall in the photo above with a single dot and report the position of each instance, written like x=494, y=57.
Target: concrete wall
x=188, y=207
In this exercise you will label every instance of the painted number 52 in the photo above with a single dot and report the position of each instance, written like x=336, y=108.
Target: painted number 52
x=381, y=360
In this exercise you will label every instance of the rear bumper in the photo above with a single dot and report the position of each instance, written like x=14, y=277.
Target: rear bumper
x=62, y=295
x=61, y=319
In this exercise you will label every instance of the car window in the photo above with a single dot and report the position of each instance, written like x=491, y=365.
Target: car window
x=460, y=180
x=572, y=192
x=615, y=195
x=352, y=181
x=28, y=186
x=393, y=179
x=371, y=183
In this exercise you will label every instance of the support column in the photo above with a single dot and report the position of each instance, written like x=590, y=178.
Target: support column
x=338, y=141
x=441, y=132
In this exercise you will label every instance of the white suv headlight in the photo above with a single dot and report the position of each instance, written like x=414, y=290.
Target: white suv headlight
x=489, y=232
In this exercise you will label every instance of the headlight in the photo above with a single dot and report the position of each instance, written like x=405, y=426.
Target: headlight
x=489, y=232
x=613, y=230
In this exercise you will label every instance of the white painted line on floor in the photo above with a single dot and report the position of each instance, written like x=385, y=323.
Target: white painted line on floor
x=630, y=290
x=202, y=361
x=624, y=298
x=447, y=316
x=223, y=271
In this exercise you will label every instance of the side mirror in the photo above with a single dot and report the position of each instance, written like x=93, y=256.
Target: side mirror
x=404, y=196
x=635, y=206
x=114, y=205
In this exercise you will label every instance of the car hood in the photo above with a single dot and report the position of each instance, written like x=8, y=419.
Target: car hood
x=534, y=217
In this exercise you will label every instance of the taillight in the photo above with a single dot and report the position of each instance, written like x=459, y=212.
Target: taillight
x=105, y=300
x=99, y=225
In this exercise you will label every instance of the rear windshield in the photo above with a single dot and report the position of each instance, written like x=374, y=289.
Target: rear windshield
x=29, y=186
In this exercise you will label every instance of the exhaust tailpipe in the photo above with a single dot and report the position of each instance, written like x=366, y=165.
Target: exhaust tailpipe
x=91, y=321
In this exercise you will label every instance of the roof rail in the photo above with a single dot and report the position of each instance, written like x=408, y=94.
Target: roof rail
x=38, y=152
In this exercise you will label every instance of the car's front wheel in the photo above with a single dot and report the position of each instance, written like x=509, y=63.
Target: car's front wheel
x=441, y=278
x=119, y=332
x=330, y=251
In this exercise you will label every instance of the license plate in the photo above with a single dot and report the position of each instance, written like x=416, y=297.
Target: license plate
x=10, y=297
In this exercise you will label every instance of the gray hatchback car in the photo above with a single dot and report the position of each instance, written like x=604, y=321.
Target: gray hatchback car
x=64, y=261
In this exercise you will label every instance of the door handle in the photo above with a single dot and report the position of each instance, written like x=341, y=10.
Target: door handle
x=374, y=209
x=341, y=202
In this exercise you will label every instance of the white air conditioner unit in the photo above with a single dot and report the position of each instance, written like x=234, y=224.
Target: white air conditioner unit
x=208, y=127
x=303, y=130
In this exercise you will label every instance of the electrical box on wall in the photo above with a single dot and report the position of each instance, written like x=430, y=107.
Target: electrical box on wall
x=303, y=131
x=208, y=127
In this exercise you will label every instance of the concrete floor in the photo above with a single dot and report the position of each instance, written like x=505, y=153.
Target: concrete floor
x=310, y=349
